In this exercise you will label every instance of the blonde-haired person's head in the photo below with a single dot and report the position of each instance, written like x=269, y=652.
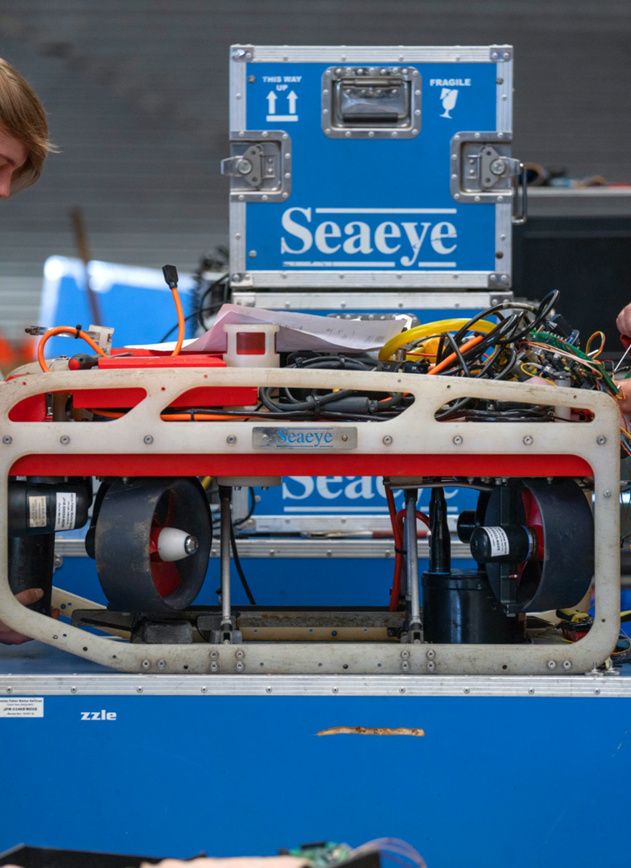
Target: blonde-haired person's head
x=22, y=117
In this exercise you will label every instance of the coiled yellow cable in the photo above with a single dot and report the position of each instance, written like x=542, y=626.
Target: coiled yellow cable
x=427, y=329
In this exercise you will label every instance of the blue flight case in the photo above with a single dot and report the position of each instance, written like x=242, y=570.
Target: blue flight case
x=486, y=773
x=372, y=167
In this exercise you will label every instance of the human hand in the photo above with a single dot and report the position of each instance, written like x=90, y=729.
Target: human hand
x=8, y=636
x=623, y=321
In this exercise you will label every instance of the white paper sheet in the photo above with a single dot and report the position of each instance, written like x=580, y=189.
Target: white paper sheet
x=298, y=331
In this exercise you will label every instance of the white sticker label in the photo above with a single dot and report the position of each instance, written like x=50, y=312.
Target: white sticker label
x=22, y=706
x=66, y=510
x=37, y=511
x=499, y=541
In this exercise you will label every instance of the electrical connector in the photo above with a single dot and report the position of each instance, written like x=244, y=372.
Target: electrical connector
x=170, y=276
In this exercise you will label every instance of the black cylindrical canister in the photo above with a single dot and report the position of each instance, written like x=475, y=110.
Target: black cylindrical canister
x=460, y=608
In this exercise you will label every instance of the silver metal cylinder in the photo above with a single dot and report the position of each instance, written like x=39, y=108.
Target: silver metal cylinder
x=412, y=557
x=224, y=540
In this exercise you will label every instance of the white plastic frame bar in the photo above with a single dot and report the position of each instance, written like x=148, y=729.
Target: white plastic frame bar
x=413, y=432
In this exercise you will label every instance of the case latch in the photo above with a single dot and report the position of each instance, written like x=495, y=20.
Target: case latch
x=259, y=166
x=482, y=170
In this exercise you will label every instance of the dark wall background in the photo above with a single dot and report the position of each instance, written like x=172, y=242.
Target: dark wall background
x=137, y=94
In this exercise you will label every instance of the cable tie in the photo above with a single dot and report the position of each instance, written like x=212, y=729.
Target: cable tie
x=398, y=551
x=78, y=330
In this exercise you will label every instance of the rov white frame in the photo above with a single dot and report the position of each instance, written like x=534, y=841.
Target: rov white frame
x=414, y=432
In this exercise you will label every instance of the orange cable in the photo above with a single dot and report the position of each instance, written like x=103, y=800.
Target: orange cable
x=63, y=330
x=177, y=417
x=450, y=358
x=181, y=322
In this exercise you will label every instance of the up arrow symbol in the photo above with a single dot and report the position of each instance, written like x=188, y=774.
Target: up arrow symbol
x=271, y=101
x=292, y=99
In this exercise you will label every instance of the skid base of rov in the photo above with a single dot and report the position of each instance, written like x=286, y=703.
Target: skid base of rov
x=411, y=448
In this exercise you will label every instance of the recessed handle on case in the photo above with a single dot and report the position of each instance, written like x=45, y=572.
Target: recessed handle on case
x=371, y=102
x=358, y=101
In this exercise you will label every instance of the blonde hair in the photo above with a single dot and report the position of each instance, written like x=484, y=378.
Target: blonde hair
x=23, y=117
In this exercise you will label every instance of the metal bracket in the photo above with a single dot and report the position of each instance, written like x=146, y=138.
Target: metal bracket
x=501, y=53
x=498, y=280
x=495, y=168
x=226, y=634
x=259, y=166
x=249, y=166
x=243, y=53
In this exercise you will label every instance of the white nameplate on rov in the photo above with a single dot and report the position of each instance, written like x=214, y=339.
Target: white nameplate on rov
x=319, y=439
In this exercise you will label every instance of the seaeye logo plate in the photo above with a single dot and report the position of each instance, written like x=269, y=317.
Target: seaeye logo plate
x=319, y=439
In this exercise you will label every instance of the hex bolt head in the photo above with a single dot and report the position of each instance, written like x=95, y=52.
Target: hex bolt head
x=457, y=440
x=497, y=167
x=191, y=544
x=528, y=440
x=387, y=440
x=7, y=440
x=64, y=440
x=601, y=440
x=148, y=439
